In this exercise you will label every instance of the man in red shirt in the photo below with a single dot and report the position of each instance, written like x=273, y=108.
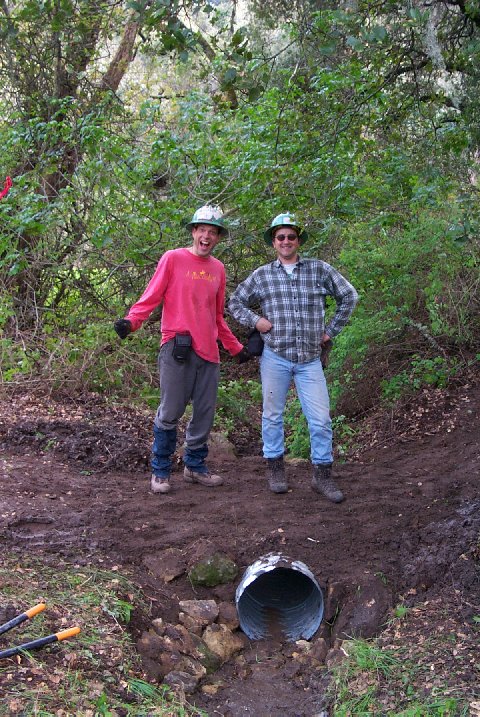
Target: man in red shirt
x=190, y=285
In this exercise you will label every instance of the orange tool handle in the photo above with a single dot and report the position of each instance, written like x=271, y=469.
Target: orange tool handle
x=32, y=611
x=65, y=634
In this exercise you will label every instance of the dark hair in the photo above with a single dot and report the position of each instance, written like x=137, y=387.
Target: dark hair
x=284, y=226
x=208, y=224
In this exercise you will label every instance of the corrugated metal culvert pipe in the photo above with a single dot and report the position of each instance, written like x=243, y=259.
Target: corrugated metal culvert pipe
x=279, y=597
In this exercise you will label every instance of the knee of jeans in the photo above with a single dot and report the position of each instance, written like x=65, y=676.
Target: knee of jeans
x=272, y=411
x=324, y=425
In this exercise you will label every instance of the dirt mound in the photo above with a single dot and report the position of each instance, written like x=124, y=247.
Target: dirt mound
x=75, y=482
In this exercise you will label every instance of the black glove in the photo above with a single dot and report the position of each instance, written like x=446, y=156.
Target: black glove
x=123, y=327
x=255, y=343
x=243, y=356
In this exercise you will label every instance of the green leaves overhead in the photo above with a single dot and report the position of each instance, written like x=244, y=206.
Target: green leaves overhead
x=351, y=119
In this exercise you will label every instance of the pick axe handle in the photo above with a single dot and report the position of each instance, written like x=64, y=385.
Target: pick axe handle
x=31, y=612
x=41, y=642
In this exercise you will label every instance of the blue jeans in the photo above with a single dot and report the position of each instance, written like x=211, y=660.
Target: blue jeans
x=164, y=444
x=277, y=374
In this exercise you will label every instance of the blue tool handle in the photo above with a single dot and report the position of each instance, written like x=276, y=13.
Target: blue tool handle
x=40, y=642
x=31, y=612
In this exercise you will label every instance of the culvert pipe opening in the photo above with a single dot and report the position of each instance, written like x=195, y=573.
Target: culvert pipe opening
x=279, y=598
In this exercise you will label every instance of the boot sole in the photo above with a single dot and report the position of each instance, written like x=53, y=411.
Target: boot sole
x=338, y=499
x=161, y=489
x=189, y=478
x=281, y=489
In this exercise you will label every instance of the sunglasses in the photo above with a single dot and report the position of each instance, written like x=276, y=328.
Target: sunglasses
x=282, y=237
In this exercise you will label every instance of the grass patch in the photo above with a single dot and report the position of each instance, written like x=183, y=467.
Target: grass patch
x=95, y=674
x=406, y=677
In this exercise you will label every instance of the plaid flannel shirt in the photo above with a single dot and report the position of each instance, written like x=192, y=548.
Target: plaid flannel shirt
x=295, y=305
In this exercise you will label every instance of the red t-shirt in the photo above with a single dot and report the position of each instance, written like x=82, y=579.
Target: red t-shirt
x=192, y=289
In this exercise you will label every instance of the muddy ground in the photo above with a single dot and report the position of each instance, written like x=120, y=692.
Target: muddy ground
x=75, y=483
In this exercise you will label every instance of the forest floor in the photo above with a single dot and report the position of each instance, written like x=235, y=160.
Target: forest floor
x=75, y=485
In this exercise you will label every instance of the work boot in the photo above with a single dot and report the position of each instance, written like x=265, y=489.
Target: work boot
x=277, y=481
x=160, y=484
x=206, y=478
x=322, y=482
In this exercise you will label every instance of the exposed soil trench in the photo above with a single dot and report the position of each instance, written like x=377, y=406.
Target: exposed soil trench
x=75, y=483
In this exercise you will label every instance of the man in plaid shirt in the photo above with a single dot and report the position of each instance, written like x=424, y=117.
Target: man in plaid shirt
x=285, y=302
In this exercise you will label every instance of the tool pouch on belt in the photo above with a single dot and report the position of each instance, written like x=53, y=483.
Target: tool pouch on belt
x=182, y=345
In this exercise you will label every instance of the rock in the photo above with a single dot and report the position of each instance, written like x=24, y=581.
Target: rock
x=158, y=625
x=319, y=649
x=157, y=659
x=227, y=615
x=303, y=645
x=152, y=669
x=302, y=658
x=214, y=570
x=211, y=689
x=177, y=638
x=334, y=657
x=220, y=448
x=242, y=668
x=224, y=593
x=150, y=645
x=168, y=662
x=176, y=650
x=190, y=624
x=222, y=641
x=181, y=682
x=200, y=549
x=203, y=611
x=207, y=658
x=191, y=667
x=167, y=564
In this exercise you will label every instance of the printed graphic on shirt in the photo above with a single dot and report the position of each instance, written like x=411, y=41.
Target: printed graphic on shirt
x=200, y=275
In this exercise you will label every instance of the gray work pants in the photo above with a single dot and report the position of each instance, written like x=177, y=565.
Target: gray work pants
x=194, y=380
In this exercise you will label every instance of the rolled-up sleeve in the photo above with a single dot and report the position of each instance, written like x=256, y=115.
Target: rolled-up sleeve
x=346, y=298
x=241, y=300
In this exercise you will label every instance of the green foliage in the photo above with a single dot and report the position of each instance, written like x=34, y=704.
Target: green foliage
x=297, y=438
x=16, y=360
x=343, y=119
x=362, y=656
x=422, y=372
x=401, y=611
x=356, y=682
x=121, y=610
x=237, y=403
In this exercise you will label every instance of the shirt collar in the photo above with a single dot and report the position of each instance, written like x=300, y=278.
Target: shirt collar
x=278, y=263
